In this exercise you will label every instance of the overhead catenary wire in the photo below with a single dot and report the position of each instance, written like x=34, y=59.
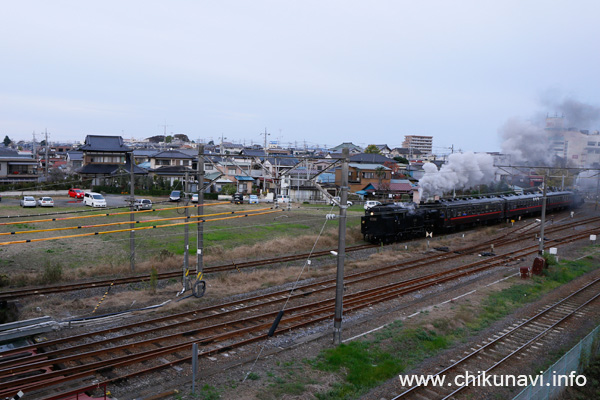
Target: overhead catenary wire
x=280, y=314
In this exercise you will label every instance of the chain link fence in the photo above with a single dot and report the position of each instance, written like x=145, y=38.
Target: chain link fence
x=563, y=373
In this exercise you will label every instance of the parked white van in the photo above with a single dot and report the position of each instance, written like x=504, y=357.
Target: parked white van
x=371, y=203
x=283, y=198
x=94, y=199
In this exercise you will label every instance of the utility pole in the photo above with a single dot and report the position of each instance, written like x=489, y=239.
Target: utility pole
x=597, y=184
x=47, y=158
x=33, y=147
x=341, y=255
x=186, y=230
x=200, y=225
x=541, y=249
x=131, y=208
x=266, y=134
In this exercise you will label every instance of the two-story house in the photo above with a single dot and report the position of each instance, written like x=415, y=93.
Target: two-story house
x=360, y=175
x=16, y=168
x=172, y=165
x=105, y=157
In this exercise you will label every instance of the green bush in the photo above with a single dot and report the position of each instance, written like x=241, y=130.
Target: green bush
x=153, y=279
x=52, y=273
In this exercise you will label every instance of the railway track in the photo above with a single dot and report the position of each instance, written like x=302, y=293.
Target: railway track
x=506, y=238
x=13, y=294
x=119, y=353
x=496, y=352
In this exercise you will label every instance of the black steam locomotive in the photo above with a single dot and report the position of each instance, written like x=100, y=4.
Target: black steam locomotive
x=393, y=222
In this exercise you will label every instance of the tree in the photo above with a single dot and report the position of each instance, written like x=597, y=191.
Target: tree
x=169, y=139
x=211, y=142
x=7, y=141
x=228, y=189
x=380, y=172
x=156, y=139
x=372, y=149
x=401, y=160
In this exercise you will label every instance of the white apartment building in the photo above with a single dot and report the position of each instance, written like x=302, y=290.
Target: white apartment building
x=422, y=143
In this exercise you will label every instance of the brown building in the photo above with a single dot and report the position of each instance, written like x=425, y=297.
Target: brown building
x=360, y=175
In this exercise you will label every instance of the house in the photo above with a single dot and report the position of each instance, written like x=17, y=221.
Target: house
x=369, y=158
x=394, y=190
x=360, y=175
x=74, y=160
x=171, y=165
x=105, y=157
x=352, y=148
x=142, y=156
x=297, y=184
x=15, y=168
x=405, y=152
x=383, y=150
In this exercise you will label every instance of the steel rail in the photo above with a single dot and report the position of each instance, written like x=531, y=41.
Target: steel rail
x=355, y=301
x=499, y=339
x=8, y=295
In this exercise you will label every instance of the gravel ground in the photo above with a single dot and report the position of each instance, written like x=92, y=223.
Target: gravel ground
x=284, y=353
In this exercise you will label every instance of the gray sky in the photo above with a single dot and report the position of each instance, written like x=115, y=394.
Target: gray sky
x=320, y=71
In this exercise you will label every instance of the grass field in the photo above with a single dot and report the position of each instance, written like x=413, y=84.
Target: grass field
x=162, y=247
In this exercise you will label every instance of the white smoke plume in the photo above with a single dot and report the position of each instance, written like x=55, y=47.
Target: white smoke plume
x=525, y=142
x=587, y=181
x=463, y=171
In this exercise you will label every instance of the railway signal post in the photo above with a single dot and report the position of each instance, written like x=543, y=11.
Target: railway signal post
x=339, y=283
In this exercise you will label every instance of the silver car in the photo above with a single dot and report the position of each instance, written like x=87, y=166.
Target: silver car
x=28, y=201
x=142, y=204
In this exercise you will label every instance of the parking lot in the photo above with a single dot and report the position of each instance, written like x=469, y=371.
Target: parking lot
x=61, y=199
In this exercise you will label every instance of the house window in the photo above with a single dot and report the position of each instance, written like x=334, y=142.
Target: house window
x=368, y=175
x=208, y=167
x=231, y=171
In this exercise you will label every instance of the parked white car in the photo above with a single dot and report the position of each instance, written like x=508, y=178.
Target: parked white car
x=195, y=198
x=94, y=199
x=338, y=199
x=45, y=202
x=253, y=199
x=28, y=201
x=371, y=203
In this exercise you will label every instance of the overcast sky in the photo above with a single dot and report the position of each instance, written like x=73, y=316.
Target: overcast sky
x=323, y=72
